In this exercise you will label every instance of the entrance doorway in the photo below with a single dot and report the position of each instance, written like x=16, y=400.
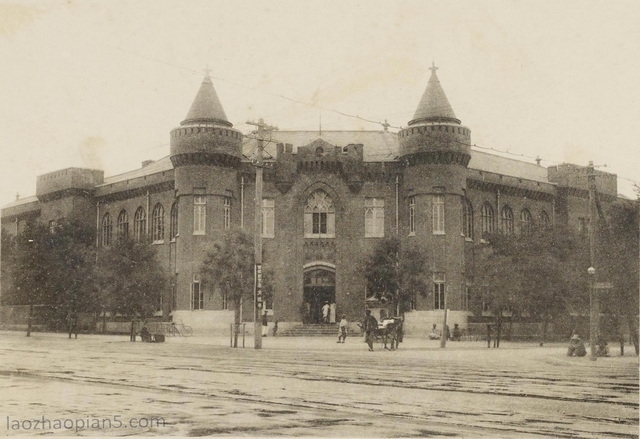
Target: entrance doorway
x=319, y=289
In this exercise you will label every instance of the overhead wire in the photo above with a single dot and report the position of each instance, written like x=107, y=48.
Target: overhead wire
x=341, y=113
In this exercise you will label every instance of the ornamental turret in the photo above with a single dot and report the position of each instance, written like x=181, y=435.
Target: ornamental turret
x=206, y=136
x=435, y=134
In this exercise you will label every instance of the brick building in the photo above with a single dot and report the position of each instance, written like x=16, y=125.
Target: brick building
x=328, y=198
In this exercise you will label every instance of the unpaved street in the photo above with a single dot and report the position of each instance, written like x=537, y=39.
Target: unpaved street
x=310, y=387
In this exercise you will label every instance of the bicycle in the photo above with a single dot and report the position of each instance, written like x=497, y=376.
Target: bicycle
x=181, y=329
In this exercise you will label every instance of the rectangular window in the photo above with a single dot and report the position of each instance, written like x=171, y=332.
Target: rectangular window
x=374, y=217
x=465, y=296
x=268, y=217
x=438, y=290
x=199, y=214
x=412, y=215
x=438, y=214
x=52, y=226
x=486, y=305
x=583, y=226
x=197, y=296
x=227, y=213
x=319, y=223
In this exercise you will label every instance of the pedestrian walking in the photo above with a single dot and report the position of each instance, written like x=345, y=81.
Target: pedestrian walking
x=265, y=324
x=72, y=324
x=325, y=312
x=275, y=328
x=132, y=332
x=342, y=329
x=370, y=326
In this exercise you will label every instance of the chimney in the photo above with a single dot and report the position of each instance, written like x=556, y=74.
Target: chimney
x=146, y=163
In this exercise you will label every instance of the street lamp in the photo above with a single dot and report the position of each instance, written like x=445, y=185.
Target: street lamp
x=593, y=318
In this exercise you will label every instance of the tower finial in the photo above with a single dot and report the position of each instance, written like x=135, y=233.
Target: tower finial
x=433, y=67
x=207, y=71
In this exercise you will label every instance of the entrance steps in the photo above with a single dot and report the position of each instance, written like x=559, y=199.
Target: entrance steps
x=311, y=330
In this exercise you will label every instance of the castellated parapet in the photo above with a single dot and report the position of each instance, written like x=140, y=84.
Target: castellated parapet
x=446, y=143
x=207, y=143
x=576, y=177
x=70, y=181
x=319, y=156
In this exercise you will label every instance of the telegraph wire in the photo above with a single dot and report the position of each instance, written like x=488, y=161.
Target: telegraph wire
x=341, y=113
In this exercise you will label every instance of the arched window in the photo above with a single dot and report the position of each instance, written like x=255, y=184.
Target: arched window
x=173, y=222
x=506, y=220
x=157, y=223
x=139, y=225
x=107, y=228
x=123, y=225
x=319, y=216
x=545, y=221
x=526, y=222
x=467, y=218
x=488, y=222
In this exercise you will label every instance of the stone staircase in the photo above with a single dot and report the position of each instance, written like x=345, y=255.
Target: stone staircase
x=311, y=330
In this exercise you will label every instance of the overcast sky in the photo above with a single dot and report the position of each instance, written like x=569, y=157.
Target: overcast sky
x=101, y=84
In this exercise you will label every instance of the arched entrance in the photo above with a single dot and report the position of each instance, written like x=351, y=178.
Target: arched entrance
x=319, y=289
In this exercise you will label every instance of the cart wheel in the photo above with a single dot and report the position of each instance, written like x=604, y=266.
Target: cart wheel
x=187, y=331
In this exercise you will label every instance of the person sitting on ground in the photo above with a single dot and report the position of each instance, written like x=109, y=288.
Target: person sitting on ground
x=433, y=335
x=576, y=347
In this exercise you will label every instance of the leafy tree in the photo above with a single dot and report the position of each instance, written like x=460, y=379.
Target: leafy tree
x=414, y=279
x=381, y=270
x=534, y=274
x=617, y=263
x=8, y=248
x=229, y=266
x=53, y=268
x=129, y=278
x=396, y=275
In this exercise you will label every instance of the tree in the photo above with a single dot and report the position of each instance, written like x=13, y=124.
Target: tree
x=396, y=275
x=533, y=274
x=130, y=280
x=413, y=276
x=381, y=270
x=617, y=251
x=8, y=248
x=53, y=267
x=229, y=266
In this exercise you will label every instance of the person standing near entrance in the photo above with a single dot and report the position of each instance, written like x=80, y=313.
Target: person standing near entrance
x=325, y=312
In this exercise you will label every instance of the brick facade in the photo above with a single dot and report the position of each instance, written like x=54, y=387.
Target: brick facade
x=427, y=168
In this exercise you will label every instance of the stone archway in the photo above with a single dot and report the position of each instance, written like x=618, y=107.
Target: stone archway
x=319, y=289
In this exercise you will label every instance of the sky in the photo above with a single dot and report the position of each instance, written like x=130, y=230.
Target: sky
x=101, y=84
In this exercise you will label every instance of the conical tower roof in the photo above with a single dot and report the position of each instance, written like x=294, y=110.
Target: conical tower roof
x=434, y=105
x=206, y=106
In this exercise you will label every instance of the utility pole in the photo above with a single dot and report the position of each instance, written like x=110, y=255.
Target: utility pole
x=257, y=233
x=594, y=310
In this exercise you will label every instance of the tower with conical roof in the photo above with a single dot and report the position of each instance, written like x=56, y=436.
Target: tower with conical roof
x=206, y=152
x=435, y=151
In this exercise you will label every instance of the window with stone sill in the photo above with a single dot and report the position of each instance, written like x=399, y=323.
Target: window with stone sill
x=319, y=216
x=374, y=217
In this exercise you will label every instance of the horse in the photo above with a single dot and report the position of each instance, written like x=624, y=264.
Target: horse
x=390, y=332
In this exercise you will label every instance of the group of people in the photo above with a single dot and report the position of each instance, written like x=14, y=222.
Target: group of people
x=456, y=335
x=577, y=348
